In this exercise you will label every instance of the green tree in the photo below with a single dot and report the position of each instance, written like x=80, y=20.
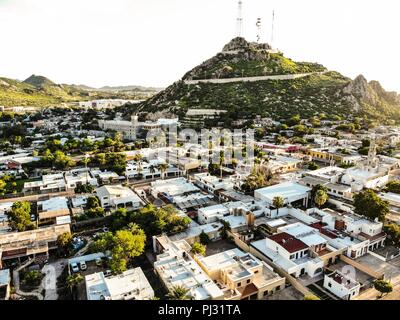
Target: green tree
x=383, y=287
x=204, y=238
x=73, y=280
x=278, y=202
x=124, y=245
x=20, y=216
x=321, y=197
x=198, y=248
x=64, y=241
x=393, y=186
x=179, y=293
x=313, y=166
x=393, y=233
x=92, y=202
x=32, y=278
x=311, y=297
x=316, y=188
x=84, y=188
x=163, y=167
x=368, y=204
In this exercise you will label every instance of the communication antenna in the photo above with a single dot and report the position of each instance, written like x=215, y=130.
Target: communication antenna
x=240, y=20
x=272, y=30
x=258, y=24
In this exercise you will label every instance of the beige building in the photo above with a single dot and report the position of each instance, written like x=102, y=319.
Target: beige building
x=30, y=243
x=240, y=275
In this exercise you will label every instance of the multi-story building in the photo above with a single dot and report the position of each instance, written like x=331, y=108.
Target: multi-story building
x=176, y=267
x=241, y=276
x=30, y=243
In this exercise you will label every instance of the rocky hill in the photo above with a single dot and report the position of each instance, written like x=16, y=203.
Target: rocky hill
x=275, y=93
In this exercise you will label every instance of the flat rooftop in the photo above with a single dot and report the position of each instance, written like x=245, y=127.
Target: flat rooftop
x=131, y=284
x=288, y=190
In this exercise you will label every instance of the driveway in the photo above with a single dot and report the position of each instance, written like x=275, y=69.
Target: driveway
x=52, y=271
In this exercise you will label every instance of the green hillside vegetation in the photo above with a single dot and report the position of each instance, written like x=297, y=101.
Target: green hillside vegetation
x=272, y=98
x=38, y=91
x=230, y=66
x=321, y=91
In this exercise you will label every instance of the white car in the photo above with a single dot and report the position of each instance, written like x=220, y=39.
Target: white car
x=74, y=267
x=83, y=265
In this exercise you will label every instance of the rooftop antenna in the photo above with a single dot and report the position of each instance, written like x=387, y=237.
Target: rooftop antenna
x=272, y=30
x=240, y=20
x=258, y=24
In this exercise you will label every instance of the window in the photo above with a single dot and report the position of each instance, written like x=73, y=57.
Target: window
x=248, y=281
x=256, y=271
x=239, y=284
x=330, y=285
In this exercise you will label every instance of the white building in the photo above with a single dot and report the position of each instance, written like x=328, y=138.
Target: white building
x=130, y=285
x=212, y=183
x=289, y=191
x=48, y=183
x=128, y=129
x=176, y=267
x=341, y=285
x=117, y=196
x=172, y=188
x=79, y=177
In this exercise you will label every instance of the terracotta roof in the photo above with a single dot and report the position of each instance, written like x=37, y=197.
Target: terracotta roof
x=321, y=227
x=248, y=290
x=288, y=242
x=375, y=237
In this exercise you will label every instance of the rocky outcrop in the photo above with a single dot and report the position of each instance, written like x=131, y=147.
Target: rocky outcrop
x=360, y=92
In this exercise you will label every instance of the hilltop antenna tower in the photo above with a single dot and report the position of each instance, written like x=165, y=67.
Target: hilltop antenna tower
x=239, y=20
x=258, y=24
x=272, y=29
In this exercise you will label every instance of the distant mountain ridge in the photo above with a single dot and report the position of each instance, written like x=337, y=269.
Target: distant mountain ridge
x=40, y=91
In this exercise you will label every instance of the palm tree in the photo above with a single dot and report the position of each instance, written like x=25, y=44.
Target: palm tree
x=152, y=169
x=163, y=168
x=74, y=280
x=278, y=203
x=178, y=293
x=138, y=158
x=221, y=163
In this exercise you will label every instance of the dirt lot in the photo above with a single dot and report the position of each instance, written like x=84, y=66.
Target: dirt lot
x=289, y=293
x=219, y=246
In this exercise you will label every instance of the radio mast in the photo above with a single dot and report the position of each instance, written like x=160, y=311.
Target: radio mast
x=240, y=20
x=272, y=30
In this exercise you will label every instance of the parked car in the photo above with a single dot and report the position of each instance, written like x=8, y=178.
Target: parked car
x=83, y=265
x=74, y=267
x=107, y=273
x=105, y=229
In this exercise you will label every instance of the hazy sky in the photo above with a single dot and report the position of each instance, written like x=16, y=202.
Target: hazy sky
x=154, y=42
